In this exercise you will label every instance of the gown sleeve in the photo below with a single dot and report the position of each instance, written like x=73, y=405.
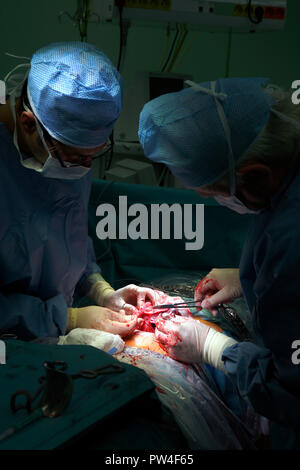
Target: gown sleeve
x=83, y=285
x=265, y=373
x=29, y=317
x=85, y=282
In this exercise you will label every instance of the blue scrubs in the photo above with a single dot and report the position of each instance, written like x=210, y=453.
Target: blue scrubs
x=45, y=251
x=264, y=373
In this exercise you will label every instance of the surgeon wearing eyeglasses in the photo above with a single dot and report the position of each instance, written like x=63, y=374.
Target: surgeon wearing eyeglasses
x=49, y=136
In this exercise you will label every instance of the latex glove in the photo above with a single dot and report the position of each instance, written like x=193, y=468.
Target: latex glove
x=98, y=288
x=104, y=319
x=129, y=298
x=189, y=340
x=107, y=342
x=219, y=286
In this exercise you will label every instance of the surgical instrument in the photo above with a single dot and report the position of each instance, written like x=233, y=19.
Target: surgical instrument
x=227, y=312
x=57, y=388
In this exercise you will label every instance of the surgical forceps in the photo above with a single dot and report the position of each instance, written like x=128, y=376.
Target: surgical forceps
x=227, y=312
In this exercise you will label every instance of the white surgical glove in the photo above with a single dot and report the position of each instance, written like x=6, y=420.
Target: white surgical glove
x=219, y=286
x=107, y=342
x=128, y=298
x=190, y=341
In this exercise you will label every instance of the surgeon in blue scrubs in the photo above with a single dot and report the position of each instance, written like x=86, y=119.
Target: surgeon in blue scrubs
x=49, y=135
x=238, y=140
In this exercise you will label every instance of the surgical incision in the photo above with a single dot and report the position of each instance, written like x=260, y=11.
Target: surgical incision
x=150, y=315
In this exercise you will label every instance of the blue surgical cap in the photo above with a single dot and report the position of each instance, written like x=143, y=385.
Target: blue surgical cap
x=184, y=131
x=75, y=92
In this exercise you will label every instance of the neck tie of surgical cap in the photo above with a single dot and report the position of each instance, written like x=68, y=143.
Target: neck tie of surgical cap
x=219, y=97
x=285, y=118
x=13, y=81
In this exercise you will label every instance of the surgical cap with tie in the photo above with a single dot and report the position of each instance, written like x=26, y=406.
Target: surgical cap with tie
x=202, y=132
x=75, y=92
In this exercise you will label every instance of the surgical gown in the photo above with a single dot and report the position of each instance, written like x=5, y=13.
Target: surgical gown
x=264, y=372
x=45, y=252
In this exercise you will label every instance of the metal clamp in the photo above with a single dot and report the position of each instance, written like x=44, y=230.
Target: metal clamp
x=57, y=388
x=231, y=315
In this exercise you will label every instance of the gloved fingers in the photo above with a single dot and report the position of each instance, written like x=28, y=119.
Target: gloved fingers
x=160, y=325
x=175, y=317
x=117, y=302
x=214, y=311
x=121, y=328
x=113, y=301
x=166, y=340
x=207, y=286
x=122, y=316
x=222, y=296
x=134, y=296
x=144, y=293
x=165, y=325
x=129, y=309
x=208, y=283
x=170, y=344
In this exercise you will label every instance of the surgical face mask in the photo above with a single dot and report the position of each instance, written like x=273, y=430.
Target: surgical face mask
x=233, y=203
x=52, y=167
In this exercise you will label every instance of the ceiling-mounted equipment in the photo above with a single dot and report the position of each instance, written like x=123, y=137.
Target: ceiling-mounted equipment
x=240, y=15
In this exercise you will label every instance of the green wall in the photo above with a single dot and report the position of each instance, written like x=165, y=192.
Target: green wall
x=27, y=25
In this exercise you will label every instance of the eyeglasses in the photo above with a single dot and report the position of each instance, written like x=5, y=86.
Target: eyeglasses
x=65, y=164
x=104, y=151
x=109, y=146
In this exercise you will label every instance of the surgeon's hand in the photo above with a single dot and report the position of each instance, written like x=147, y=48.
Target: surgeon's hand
x=104, y=319
x=129, y=298
x=190, y=341
x=219, y=286
x=182, y=338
